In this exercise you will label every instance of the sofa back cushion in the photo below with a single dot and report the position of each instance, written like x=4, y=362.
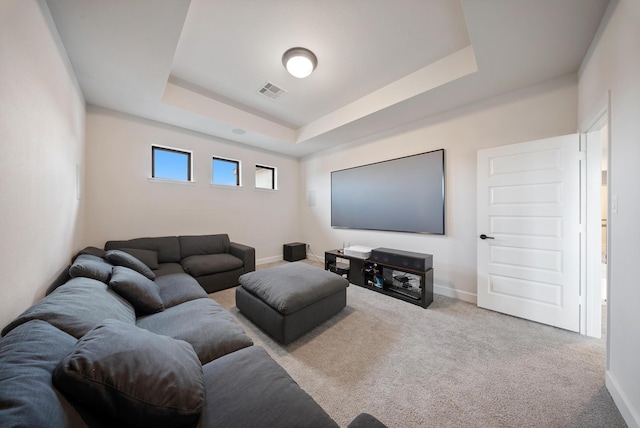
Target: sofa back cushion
x=28, y=356
x=78, y=306
x=148, y=257
x=203, y=244
x=92, y=251
x=168, y=247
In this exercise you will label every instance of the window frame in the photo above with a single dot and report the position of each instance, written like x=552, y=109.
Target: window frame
x=189, y=154
x=238, y=173
x=274, y=175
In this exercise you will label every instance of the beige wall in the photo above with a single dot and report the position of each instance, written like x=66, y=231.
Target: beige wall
x=41, y=140
x=122, y=202
x=614, y=65
x=533, y=113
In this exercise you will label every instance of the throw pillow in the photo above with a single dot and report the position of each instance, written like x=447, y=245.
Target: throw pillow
x=120, y=258
x=89, y=266
x=141, y=378
x=148, y=257
x=140, y=291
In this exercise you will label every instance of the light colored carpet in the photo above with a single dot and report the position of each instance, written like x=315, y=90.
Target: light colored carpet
x=451, y=365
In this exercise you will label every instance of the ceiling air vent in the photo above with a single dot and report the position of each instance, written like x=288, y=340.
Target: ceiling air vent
x=271, y=91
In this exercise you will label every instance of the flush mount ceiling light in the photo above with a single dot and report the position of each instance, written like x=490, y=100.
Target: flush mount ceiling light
x=299, y=62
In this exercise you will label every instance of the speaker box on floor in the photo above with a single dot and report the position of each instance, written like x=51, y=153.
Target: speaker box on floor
x=294, y=251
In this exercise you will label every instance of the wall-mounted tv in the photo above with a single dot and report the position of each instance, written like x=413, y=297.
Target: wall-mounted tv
x=400, y=195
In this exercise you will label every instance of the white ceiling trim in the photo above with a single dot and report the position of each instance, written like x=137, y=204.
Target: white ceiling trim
x=193, y=102
x=441, y=72
x=452, y=67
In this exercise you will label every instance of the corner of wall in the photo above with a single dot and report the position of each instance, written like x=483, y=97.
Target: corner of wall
x=630, y=414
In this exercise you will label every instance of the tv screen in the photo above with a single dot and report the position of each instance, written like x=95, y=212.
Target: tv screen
x=400, y=195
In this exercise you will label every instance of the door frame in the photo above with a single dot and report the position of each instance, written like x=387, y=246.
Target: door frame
x=591, y=317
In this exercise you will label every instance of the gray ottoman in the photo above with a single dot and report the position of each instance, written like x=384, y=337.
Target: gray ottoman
x=289, y=300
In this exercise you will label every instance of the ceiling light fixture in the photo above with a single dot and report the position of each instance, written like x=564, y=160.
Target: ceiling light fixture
x=299, y=62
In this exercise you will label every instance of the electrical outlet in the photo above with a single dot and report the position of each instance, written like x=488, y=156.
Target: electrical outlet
x=309, y=247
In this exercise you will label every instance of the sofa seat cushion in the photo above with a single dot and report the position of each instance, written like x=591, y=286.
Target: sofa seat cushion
x=176, y=288
x=210, y=263
x=215, y=333
x=249, y=389
x=89, y=266
x=293, y=286
x=121, y=258
x=131, y=374
x=78, y=306
x=139, y=290
x=168, y=268
x=28, y=356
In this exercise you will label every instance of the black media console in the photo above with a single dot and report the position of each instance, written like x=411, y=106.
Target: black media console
x=401, y=274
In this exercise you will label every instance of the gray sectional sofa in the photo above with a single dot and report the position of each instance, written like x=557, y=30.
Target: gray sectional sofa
x=132, y=339
x=213, y=260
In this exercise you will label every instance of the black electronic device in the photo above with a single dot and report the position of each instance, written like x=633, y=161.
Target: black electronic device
x=294, y=251
x=407, y=259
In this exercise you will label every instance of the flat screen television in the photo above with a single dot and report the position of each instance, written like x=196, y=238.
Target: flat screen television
x=399, y=195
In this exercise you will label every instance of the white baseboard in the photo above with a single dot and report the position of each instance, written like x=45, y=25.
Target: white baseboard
x=268, y=260
x=274, y=259
x=631, y=416
x=465, y=296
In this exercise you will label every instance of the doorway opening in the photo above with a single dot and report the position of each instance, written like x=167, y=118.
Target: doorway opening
x=596, y=205
x=604, y=197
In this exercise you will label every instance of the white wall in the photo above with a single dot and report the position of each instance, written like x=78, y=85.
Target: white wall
x=42, y=143
x=614, y=64
x=537, y=112
x=123, y=203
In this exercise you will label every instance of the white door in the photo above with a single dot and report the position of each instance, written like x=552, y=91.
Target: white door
x=529, y=217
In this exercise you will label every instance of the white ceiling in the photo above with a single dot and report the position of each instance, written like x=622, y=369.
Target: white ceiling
x=199, y=64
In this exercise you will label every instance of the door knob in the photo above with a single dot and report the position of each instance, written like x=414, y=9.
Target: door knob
x=483, y=236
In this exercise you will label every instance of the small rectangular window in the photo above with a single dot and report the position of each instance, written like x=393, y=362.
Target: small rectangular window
x=265, y=177
x=225, y=172
x=170, y=164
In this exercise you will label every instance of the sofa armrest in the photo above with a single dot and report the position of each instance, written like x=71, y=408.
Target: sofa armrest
x=365, y=420
x=246, y=253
